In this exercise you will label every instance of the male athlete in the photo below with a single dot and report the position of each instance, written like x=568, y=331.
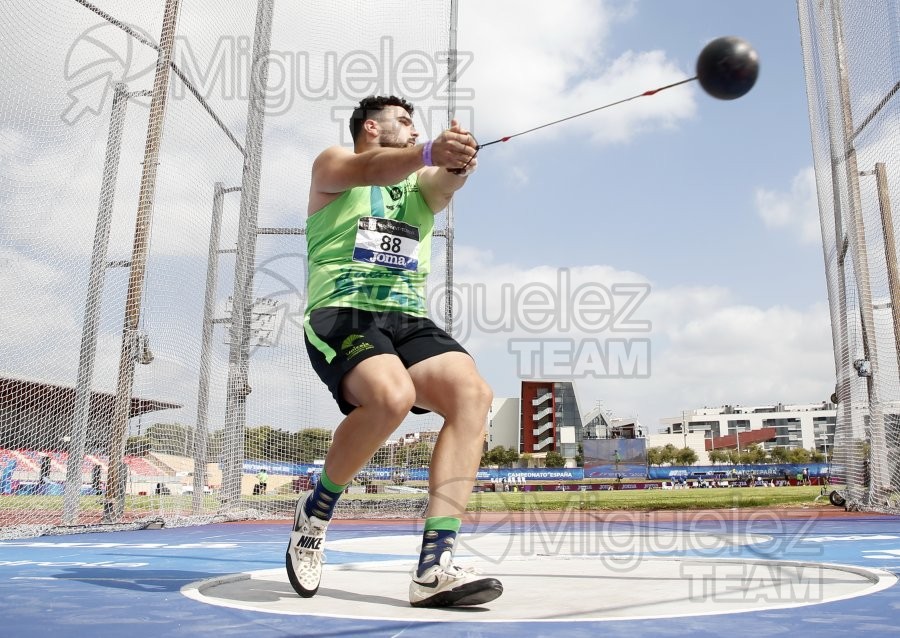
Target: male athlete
x=371, y=216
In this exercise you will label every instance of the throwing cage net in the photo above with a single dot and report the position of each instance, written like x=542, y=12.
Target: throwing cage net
x=156, y=160
x=851, y=53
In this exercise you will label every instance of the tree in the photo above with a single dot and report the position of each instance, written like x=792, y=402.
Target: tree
x=734, y=457
x=667, y=454
x=256, y=442
x=554, y=459
x=718, y=456
x=579, y=457
x=314, y=443
x=418, y=455
x=686, y=456
x=171, y=438
x=756, y=454
x=654, y=456
x=382, y=456
x=798, y=455
x=525, y=460
x=497, y=455
x=510, y=457
x=280, y=446
x=779, y=454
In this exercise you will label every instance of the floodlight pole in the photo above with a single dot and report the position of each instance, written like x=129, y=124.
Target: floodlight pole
x=90, y=324
x=239, y=354
x=114, y=505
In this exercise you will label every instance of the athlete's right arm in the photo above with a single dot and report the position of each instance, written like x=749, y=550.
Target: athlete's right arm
x=338, y=168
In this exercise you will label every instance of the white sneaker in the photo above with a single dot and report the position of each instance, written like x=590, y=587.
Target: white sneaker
x=305, y=554
x=446, y=585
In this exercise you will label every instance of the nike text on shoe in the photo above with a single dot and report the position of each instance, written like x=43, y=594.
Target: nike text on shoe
x=446, y=585
x=305, y=554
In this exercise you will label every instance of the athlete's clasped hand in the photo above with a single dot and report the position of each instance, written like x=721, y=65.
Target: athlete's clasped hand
x=454, y=148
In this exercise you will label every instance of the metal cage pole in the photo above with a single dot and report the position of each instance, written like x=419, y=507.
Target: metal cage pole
x=115, y=485
x=842, y=358
x=878, y=445
x=890, y=250
x=201, y=430
x=452, y=62
x=239, y=354
x=90, y=325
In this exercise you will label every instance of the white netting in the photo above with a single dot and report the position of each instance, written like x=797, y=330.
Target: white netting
x=77, y=94
x=852, y=57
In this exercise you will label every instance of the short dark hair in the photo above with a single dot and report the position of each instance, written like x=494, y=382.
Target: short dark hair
x=374, y=104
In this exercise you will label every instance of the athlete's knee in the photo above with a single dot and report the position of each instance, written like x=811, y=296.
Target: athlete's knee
x=484, y=395
x=393, y=401
x=473, y=395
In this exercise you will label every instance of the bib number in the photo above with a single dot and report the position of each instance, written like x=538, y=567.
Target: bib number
x=387, y=242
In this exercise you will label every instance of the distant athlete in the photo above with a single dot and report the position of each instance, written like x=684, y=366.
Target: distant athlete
x=371, y=217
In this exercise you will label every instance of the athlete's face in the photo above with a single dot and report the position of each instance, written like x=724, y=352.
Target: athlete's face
x=395, y=128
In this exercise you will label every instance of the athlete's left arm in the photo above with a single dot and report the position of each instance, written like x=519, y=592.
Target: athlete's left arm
x=438, y=185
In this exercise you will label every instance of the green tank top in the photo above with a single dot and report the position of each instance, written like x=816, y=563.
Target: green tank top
x=370, y=249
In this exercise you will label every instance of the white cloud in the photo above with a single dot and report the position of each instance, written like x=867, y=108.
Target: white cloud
x=706, y=347
x=795, y=211
x=557, y=63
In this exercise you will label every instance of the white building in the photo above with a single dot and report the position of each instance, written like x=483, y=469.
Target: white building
x=503, y=423
x=808, y=426
x=547, y=417
x=599, y=423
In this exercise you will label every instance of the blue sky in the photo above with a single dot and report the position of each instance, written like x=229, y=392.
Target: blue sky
x=677, y=205
x=709, y=202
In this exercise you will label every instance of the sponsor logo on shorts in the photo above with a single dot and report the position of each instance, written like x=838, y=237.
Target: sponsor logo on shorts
x=355, y=344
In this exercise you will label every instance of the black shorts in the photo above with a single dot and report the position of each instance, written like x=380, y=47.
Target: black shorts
x=348, y=336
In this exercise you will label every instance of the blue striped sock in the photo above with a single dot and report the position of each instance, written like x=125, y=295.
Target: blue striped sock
x=324, y=498
x=439, y=537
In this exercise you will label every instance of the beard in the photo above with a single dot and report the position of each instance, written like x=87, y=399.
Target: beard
x=390, y=139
